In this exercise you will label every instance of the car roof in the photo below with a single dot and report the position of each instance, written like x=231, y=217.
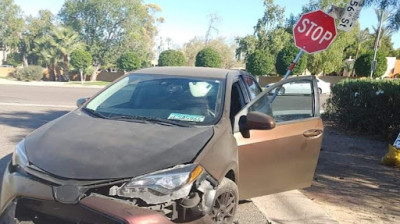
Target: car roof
x=202, y=72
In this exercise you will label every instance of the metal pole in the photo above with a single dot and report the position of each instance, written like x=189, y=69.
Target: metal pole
x=373, y=64
x=290, y=69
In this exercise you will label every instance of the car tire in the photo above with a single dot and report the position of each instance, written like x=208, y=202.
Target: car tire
x=281, y=91
x=225, y=203
x=319, y=90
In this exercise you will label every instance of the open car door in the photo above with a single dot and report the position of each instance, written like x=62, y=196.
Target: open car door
x=283, y=158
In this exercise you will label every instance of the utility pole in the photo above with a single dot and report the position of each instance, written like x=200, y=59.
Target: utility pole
x=373, y=64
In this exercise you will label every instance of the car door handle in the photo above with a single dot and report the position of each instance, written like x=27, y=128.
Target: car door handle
x=312, y=133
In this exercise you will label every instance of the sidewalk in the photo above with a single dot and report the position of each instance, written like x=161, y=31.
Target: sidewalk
x=46, y=83
x=292, y=207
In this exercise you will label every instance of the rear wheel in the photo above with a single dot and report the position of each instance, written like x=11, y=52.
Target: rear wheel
x=225, y=203
x=319, y=90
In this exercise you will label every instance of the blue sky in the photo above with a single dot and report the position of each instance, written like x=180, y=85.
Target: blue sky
x=185, y=19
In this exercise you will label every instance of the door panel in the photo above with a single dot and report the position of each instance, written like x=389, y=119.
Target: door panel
x=277, y=160
x=284, y=158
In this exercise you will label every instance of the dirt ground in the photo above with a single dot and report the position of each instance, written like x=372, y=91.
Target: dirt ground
x=351, y=184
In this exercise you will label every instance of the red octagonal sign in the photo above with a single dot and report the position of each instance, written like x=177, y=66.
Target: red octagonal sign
x=314, y=31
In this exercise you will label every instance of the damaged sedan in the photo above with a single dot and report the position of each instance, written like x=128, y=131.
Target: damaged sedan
x=165, y=145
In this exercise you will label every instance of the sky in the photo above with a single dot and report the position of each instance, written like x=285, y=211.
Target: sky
x=186, y=19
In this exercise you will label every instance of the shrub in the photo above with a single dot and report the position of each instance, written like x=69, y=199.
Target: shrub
x=367, y=106
x=29, y=73
x=286, y=56
x=14, y=59
x=363, y=64
x=171, y=58
x=208, y=57
x=259, y=63
x=129, y=61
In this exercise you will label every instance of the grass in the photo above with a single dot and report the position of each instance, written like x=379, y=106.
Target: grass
x=90, y=83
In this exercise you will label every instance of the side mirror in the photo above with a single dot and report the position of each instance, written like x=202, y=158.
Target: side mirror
x=81, y=101
x=256, y=121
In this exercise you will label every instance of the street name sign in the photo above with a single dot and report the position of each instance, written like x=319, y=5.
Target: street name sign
x=350, y=15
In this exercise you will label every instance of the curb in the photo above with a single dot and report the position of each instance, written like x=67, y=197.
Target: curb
x=42, y=84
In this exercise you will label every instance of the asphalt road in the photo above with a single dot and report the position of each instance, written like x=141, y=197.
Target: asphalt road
x=25, y=108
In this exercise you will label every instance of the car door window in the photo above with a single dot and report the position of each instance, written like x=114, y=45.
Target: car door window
x=237, y=100
x=252, y=86
x=294, y=101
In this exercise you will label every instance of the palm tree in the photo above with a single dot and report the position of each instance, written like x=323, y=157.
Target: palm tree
x=385, y=30
x=361, y=37
x=48, y=55
x=65, y=40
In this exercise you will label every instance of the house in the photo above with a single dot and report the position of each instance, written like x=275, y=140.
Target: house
x=393, y=67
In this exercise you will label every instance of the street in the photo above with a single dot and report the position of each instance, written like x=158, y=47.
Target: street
x=25, y=108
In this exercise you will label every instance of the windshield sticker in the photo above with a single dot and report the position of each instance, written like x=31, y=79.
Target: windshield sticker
x=186, y=117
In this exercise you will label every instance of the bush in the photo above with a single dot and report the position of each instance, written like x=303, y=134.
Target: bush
x=363, y=64
x=29, y=73
x=171, y=58
x=80, y=59
x=129, y=61
x=367, y=106
x=208, y=57
x=285, y=58
x=14, y=59
x=259, y=63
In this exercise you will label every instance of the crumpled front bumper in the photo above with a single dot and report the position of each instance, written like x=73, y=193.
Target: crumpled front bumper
x=22, y=194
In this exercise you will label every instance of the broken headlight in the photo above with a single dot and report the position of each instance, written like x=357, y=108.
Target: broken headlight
x=173, y=183
x=19, y=157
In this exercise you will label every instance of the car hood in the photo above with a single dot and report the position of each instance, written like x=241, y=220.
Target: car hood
x=78, y=146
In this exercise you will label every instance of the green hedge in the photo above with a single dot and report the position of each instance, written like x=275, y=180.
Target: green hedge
x=29, y=73
x=367, y=106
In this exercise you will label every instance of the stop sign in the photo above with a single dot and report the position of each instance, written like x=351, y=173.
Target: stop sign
x=314, y=31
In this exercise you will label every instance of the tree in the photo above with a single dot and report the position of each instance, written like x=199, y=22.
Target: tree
x=129, y=61
x=81, y=60
x=10, y=26
x=111, y=27
x=208, y=57
x=213, y=20
x=285, y=58
x=171, y=58
x=14, y=59
x=260, y=63
x=36, y=28
x=389, y=5
x=224, y=49
x=363, y=64
x=64, y=40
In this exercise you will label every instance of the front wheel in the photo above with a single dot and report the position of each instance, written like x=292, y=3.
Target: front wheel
x=225, y=203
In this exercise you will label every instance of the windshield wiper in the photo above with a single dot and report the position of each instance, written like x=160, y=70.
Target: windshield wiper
x=149, y=119
x=94, y=113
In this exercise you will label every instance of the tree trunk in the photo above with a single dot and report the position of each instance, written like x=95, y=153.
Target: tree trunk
x=94, y=74
x=65, y=67
x=81, y=73
x=52, y=76
x=25, y=60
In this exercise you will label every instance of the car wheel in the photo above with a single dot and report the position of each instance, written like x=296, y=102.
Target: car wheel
x=281, y=91
x=319, y=90
x=225, y=203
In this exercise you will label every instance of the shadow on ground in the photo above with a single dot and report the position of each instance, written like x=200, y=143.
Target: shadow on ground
x=29, y=120
x=349, y=176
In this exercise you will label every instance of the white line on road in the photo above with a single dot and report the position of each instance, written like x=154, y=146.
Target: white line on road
x=36, y=105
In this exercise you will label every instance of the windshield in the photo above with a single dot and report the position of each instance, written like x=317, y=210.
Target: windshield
x=185, y=100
